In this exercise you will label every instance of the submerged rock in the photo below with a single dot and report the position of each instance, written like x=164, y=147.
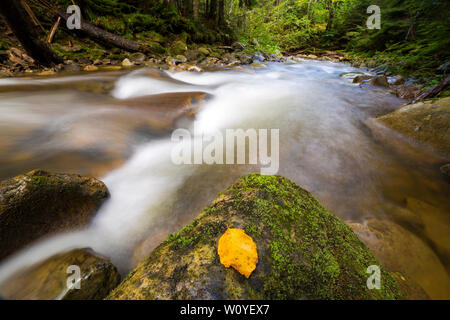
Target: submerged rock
x=304, y=251
x=48, y=279
x=401, y=251
x=258, y=65
x=40, y=203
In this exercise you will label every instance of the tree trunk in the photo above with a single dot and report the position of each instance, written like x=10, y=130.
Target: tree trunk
x=221, y=18
x=213, y=9
x=106, y=36
x=330, y=15
x=25, y=33
x=195, y=5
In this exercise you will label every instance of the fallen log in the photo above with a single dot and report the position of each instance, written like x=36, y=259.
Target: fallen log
x=24, y=31
x=107, y=37
x=434, y=91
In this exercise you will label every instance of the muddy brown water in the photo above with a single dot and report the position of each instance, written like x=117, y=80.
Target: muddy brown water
x=116, y=126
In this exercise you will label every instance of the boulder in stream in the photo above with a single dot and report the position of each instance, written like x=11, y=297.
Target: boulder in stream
x=304, y=251
x=40, y=203
x=49, y=279
x=426, y=122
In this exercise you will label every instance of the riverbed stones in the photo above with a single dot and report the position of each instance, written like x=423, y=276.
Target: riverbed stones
x=305, y=252
x=47, y=280
x=127, y=63
x=40, y=203
x=379, y=81
x=408, y=91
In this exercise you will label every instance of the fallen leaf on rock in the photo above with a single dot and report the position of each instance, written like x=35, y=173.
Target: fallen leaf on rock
x=238, y=250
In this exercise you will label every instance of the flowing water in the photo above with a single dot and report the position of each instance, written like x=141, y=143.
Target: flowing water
x=79, y=124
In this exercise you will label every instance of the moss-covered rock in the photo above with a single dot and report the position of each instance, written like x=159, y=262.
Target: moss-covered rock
x=178, y=47
x=426, y=122
x=304, y=251
x=48, y=279
x=39, y=203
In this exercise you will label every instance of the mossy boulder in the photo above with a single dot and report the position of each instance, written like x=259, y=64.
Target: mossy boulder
x=425, y=122
x=48, y=279
x=304, y=251
x=40, y=203
x=178, y=47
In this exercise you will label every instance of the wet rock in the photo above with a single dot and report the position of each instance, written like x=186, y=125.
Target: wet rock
x=48, y=279
x=427, y=123
x=379, y=81
x=137, y=57
x=244, y=58
x=194, y=55
x=399, y=80
x=361, y=78
x=72, y=67
x=407, y=91
x=258, y=65
x=127, y=63
x=180, y=59
x=194, y=69
x=165, y=109
x=40, y=203
x=204, y=51
x=156, y=47
x=170, y=61
x=46, y=73
x=84, y=61
x=91, y=67
x=401, y=251
x=304, y=251
x=445, y=170
x=111, y=68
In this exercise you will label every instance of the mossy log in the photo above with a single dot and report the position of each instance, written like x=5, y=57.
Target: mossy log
x=107, y=37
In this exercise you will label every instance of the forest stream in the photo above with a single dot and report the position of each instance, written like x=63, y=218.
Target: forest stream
x=108, y=125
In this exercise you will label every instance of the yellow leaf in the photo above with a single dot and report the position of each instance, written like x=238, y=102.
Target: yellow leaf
x=238, y=250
